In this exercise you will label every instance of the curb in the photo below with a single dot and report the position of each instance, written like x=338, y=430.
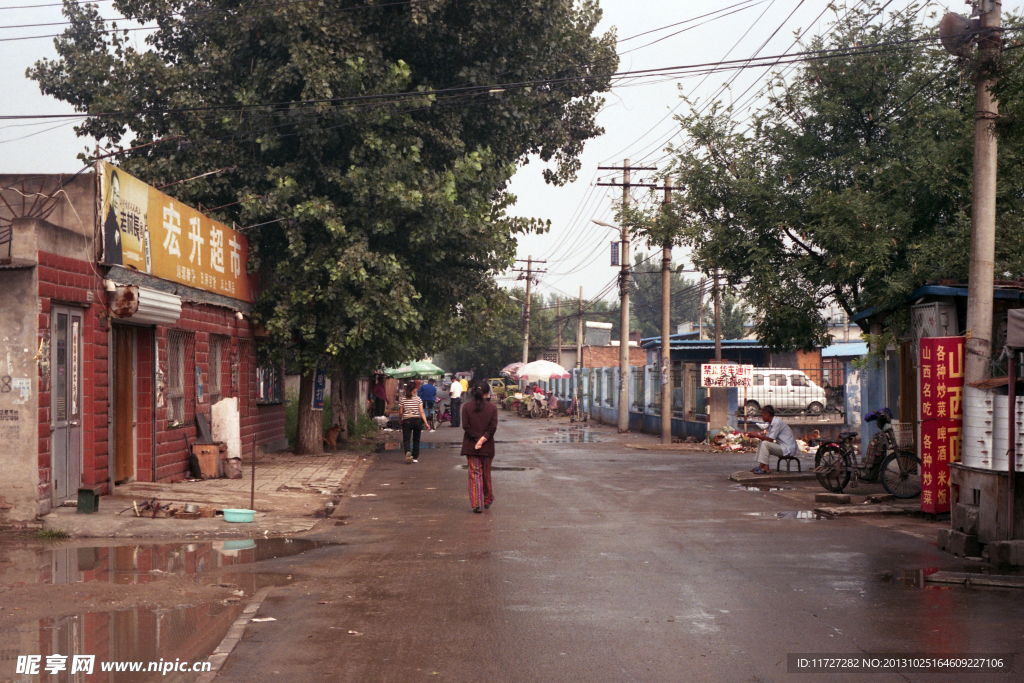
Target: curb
x=233, y=636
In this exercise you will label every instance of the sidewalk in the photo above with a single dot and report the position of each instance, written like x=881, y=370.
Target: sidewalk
x=292, y=493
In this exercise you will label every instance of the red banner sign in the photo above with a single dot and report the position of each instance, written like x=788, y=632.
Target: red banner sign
x=942, y=413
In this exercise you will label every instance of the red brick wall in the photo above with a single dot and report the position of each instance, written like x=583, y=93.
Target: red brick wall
x=608, y=356
x=64, y=280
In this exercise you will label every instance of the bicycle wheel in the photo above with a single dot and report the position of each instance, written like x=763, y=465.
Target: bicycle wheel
x=901, y=475
x=832, y=468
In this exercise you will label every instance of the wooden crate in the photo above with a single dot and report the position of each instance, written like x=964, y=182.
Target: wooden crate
x=208, y=455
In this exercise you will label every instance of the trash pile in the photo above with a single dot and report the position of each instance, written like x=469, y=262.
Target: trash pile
x=732, y=441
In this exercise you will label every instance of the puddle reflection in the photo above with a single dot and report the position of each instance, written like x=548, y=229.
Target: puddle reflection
x=142, y=634
x=796, y=514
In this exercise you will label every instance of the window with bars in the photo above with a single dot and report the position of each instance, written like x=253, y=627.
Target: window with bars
x=269, y=383
x=217, y=345
x=181, y=406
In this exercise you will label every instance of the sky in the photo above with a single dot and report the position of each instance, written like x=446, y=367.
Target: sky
x=637, y=117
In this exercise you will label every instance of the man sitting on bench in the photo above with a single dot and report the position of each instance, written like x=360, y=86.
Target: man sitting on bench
x=777, y=441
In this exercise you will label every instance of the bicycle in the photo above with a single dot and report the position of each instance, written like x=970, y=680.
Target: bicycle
x=836, y=462
x=444, y=414
x=431, y=411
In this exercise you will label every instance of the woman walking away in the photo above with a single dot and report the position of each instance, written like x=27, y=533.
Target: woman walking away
x=413, y=419
x=479, y=422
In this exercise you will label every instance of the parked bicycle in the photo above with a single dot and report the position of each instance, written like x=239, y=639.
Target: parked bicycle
x=837, y=462
x=444, y=414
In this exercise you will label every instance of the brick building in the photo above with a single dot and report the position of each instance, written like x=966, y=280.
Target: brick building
x=115, y=335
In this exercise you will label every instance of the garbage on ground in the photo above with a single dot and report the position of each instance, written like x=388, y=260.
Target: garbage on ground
x=733, y=441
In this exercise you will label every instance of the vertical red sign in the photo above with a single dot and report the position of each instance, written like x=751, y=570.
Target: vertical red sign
x=942, y=413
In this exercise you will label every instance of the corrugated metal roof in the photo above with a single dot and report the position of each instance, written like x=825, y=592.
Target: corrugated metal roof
x=675, y=343
x=845, y=349
x=1012, y=293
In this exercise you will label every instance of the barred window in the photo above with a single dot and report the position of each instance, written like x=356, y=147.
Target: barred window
x=181, y=405
x=269, y=383
x=217, y=346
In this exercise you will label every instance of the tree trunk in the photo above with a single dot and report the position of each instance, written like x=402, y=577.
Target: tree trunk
x=337, y=404
x=354, y=407
x=309, y=439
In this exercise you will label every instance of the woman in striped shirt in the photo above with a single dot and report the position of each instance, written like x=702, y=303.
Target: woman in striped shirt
x=413, y=419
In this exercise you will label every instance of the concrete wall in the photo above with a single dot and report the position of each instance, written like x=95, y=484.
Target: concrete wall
x=19, y=425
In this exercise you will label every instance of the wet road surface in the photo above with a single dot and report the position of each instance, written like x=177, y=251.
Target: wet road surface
x=601, y=563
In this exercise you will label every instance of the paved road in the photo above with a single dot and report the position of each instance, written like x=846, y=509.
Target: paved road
x=603, y=563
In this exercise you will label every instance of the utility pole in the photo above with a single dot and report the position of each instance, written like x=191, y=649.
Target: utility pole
x=666, y=330
x=983, y=202
x=526, y=314
x=526, y=304
x=700, y=310
x=558, y=317
x=579, y=333
x=623, y=421
x=718, y=320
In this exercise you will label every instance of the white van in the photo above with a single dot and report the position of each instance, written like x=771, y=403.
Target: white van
x=786, y=389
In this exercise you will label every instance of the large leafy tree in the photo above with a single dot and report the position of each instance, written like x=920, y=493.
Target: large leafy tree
x=645, y=297
x=852, y=185
x=375, y=136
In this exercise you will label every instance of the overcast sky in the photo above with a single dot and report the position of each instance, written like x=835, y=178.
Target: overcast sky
x=637, y=117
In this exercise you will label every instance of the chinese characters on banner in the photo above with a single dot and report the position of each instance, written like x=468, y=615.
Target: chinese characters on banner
x=942, y=413
x=719, y=375
x=149, y=232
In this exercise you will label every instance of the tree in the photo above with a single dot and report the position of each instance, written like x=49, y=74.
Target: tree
x=368, y=142
x=851, y=186
x=733, y=315
x=645, y=297
x=495, y=343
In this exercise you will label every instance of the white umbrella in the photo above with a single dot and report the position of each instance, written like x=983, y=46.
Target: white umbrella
x=541, y=370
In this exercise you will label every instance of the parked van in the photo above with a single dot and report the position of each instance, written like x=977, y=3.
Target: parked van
x=785, y=389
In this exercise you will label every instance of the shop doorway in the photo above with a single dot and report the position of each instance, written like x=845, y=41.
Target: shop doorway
x=65, y=402
x=123, y=409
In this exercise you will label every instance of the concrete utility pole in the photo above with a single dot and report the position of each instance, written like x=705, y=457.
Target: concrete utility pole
x=700, y=310
x=666, y=330
x=623, y=421
x=526, y=311
x=558, y=317
x=579, y=333
x=983, y=202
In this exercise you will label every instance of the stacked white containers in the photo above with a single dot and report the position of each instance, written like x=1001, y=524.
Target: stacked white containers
x=986, y=436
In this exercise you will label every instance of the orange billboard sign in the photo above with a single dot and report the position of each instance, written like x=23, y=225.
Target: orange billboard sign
x=147, y=231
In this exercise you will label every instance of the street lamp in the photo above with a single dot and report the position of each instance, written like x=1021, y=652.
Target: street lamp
x=623, y=417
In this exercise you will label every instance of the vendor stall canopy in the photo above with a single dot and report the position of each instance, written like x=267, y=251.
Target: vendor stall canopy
x=419, y=368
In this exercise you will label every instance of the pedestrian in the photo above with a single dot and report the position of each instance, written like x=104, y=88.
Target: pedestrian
x=413, y=420
x=380, y=397
x=479, y=422
x=455, y=392
x=428, y=394
x=777, y=440
x=465, y=384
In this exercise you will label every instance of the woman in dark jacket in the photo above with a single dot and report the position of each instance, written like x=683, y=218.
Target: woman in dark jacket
x=479, y=422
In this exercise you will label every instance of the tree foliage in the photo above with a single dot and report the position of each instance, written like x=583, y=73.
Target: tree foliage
x=367, y=133
x=645, y=297
x=852, y=185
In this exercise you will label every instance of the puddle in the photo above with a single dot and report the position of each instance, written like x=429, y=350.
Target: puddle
x=797, y=514
x=741, y=487
x=185, y=632
x=570, y=437
x=909, y=578
x=396, y=446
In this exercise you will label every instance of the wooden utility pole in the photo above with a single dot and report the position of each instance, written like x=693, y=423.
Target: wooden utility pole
x=579, y=333
x=623, y=417
x=718, y=320
x=666, y=330
x=558, y=317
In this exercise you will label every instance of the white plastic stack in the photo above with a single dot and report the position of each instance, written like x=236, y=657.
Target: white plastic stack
x=985, y=436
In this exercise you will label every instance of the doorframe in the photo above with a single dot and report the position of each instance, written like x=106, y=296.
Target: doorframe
x=75, y=363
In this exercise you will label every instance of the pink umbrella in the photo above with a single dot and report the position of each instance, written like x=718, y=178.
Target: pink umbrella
x=542, y=370
x=510, y=370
